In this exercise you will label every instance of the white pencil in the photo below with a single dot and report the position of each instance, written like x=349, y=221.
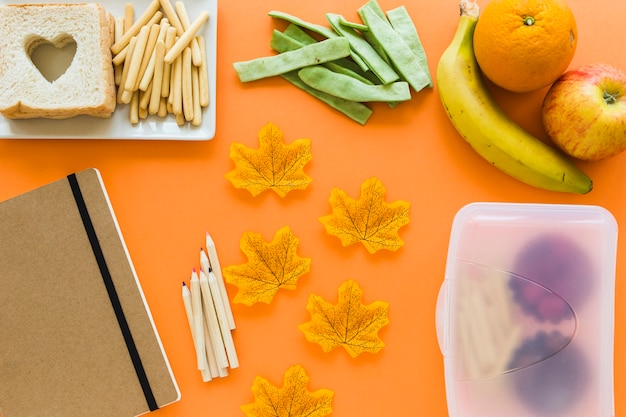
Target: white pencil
x=221, y=317
x=198, y=321
x=217, y=270
x=212, y=322
x=206, y=374
x=205, y=265
x=214, y=369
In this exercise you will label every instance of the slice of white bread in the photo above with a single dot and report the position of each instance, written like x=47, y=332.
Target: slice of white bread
x=86, y=88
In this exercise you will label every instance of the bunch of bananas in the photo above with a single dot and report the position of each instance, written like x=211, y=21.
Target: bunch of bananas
x=488, y=129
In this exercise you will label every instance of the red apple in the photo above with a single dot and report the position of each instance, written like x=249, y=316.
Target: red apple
x=584, y=112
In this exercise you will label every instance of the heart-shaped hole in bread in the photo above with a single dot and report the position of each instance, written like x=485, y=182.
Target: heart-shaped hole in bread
x=52, y=57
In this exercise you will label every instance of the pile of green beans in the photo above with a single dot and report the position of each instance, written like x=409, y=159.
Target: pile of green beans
x=348, y=64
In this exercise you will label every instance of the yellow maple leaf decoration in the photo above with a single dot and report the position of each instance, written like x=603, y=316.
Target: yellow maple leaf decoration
x=349, y=323
x=270, y=267
x=292, y=400
x=369, y=219
x=273, y=166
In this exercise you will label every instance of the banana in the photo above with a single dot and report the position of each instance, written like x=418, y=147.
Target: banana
x=488, y=129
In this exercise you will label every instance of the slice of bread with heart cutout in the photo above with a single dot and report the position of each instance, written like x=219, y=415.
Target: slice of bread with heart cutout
x=86, y=87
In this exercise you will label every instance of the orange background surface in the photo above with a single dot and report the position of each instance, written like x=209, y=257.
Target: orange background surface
x=167, y=194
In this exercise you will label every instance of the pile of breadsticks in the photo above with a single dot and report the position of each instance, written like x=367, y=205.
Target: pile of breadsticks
x=160, y=63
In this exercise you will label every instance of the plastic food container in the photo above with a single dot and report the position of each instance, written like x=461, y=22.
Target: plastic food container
x=526, y=310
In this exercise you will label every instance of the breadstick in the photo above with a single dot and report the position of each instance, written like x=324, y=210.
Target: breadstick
x=195, y=84
x=165, y=24
x=204, y=74
x=172, y=16
x=127, y=95
x=467, y=345
x=144, y=97
x=186, y=84
x=129, y=17
x=149, y=71
x=186, y=37
x=481, y=329
x=162, y=107
x=125, y=69
x=135, y=59
x=145, y=58
x=169, y=97
x=511, y=343
x=170, y=38
x=184, y=20
x=176, y=86
x=157, y=79
x=120, y=56
x=118, y=28
x=119, y=31
x=134, y=108
x=146, y=16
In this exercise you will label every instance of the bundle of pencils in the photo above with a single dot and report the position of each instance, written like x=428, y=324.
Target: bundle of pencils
x=210, y=316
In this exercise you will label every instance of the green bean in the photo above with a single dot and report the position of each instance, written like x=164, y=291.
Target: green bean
x=299, y=34
x=348, y=88
x=375, y=7
x=282, y=43
x=358, y=26
x=369, y=37
x=403, y=24
x=316, y=53
x=296, y=32
x=315, y=28
x=403, y=59
x=358, y=112
x=374, y=61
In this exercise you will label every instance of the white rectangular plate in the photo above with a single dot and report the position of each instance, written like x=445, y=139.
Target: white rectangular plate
x=119, y=126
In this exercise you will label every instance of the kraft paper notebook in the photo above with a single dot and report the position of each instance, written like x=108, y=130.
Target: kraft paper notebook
x=76, y=334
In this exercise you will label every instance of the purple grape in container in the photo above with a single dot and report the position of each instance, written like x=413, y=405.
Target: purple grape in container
x=551, y=266
x=525, y=313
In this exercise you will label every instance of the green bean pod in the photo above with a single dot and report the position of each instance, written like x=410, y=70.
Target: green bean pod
x=324, y=51
x=403, y=24
x=358, y=112
x=350, y=88
x=403, y=59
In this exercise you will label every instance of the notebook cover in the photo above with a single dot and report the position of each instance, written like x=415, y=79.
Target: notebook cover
x=76, y=334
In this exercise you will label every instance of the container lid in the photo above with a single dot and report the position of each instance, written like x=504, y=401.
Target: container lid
x=525, y=312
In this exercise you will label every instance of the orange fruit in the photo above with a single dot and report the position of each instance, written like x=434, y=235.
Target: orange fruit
x=525, y=45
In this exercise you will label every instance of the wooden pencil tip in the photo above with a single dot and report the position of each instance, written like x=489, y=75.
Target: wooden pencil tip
x=184, y=285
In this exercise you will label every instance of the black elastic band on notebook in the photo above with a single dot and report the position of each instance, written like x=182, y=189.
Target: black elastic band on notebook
x=115, y=301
